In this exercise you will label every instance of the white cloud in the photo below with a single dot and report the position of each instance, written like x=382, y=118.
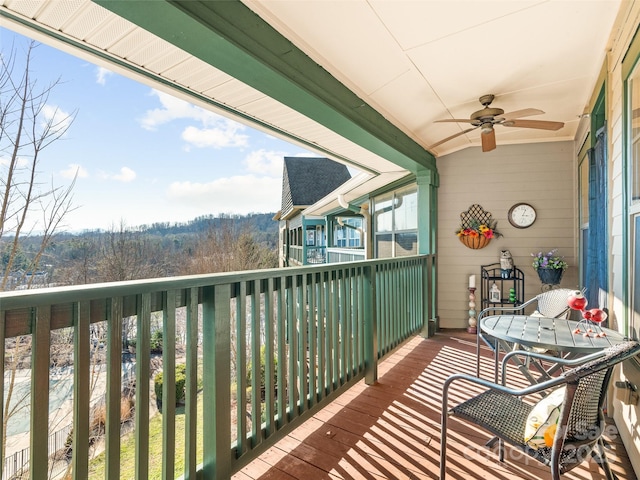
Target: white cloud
x=21, y=163
x=102, y=74
x=265, y=162
x=56, y=121
x=75, y=170
x=172, y=108
x=225, y=135
x=126, y=175
x=239, y=194
x=211, y=131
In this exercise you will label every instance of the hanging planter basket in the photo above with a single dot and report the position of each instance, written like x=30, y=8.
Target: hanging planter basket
x=477, y=227
x=550, y=276
x=474, y=242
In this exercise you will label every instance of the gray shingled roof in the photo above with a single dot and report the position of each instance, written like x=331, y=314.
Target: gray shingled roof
x=306, y=180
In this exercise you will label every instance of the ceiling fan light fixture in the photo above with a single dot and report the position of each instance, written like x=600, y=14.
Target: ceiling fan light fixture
x=486, y=127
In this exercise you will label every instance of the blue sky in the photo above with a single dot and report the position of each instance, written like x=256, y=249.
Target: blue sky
x=142, y=156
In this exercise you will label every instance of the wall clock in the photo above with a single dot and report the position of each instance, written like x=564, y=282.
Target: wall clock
x=522, y=215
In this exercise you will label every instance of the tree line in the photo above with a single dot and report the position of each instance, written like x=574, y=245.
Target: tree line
x=208, y=244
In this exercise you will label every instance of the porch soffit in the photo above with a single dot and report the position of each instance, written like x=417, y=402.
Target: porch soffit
x=412, y=62
x=261, y=80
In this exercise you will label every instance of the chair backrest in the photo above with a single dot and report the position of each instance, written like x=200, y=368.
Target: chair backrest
x=586, y=389
x=553, y=303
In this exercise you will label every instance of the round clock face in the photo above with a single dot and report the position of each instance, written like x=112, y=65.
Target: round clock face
x=522, y=215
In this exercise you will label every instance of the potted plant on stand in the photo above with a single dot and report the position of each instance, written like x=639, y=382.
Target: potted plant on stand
x=550, y=266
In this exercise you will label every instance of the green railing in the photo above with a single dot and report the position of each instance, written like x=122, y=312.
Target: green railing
x=305, y=333
x=295, y=253
x=339, y=255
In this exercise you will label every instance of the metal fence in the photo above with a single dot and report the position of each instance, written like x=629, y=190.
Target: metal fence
x=16, y=464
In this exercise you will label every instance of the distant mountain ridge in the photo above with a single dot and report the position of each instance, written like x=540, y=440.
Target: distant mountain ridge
x=165, y=246
x=258, y=222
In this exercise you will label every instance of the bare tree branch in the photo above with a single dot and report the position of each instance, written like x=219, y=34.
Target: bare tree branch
x=28, y=125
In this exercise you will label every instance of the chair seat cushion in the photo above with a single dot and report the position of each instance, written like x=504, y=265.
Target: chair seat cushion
x=543, y=420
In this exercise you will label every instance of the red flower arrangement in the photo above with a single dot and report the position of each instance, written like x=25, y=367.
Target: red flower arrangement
x=477, y=229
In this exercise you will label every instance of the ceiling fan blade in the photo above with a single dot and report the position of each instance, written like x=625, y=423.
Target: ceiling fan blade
x=456, y=120
x=488, y=140
x=541, y=124
x=451, y=137
x=526, y=112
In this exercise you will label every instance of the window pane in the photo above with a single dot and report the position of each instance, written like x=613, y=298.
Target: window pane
x=584, y=191
x=383, y=213
x=635, y=172
x=406, y=211
x=384, y=246
x=311, y=236
x=634, y=116
x=338, y=236
x=635, y=294
x=406, y=244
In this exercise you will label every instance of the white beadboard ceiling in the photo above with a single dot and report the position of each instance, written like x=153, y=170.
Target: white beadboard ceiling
x=421, y=61
x=413, y=61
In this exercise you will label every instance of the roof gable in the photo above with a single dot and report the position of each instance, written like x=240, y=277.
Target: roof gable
x=305, y=180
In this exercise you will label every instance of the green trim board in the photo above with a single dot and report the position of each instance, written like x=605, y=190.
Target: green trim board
x=233, y=39
x=598, y=113
x=631, y=56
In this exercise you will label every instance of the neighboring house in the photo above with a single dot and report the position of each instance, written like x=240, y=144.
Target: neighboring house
x=305, y=180
x=20, y=279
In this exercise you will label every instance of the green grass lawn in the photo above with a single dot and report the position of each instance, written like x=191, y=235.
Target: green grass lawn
x=127, y=450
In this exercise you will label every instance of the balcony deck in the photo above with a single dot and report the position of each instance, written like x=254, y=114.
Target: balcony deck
x=392, y=429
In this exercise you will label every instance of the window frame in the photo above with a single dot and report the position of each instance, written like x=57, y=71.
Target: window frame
x=394, y=233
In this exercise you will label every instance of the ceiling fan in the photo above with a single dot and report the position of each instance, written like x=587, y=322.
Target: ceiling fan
x=488, y=117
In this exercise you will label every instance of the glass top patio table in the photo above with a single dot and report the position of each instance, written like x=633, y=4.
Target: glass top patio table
x=511, y=332
x=554, y=334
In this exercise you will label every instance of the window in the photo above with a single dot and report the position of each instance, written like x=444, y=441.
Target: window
x=635, y=292
x=584, y=190
x=347, y=232
x=395, y=220
x=634, y=119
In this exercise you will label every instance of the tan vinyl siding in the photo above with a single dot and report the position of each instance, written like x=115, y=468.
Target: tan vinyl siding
x=540, y=174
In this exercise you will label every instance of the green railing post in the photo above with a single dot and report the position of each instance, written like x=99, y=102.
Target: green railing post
x=256, y=377
x=269, y=370
x=2, y=368
x=282, y=332
x=191, y=387
x=169, y=384
x=425, y=304
x=241, y=367
x=81, y=393
x=40, y=352
x=114, y=389
x=143, y=352
x=370, y=326
x=216, y=313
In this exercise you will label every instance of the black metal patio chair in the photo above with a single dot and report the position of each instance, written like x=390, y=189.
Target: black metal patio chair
x=504, y=412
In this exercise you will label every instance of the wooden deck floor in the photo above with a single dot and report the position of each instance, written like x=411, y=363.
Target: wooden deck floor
x=391, y=430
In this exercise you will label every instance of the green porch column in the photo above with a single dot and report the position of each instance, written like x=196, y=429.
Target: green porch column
x=428, y=182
